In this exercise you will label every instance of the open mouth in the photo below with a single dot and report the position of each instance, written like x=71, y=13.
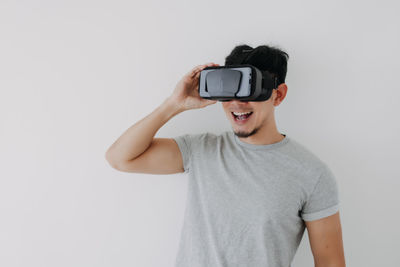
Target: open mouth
x=241, y=117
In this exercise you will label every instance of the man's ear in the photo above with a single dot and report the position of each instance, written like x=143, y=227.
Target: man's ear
x=280, y=94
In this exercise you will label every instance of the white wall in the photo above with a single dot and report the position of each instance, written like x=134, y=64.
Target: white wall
x=75, y=74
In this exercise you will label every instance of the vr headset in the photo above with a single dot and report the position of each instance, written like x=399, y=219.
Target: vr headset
x=242, y=82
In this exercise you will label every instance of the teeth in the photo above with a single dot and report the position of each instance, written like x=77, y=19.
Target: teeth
x=239, y=113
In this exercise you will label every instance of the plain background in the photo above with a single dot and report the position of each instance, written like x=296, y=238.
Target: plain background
x=75, y=74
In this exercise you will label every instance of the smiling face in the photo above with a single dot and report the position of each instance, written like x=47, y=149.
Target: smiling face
x=261, y=119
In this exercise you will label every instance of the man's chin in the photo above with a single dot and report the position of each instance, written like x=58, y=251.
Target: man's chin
x=244, y=134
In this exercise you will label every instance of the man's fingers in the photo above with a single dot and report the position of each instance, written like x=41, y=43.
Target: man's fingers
x=199, y=68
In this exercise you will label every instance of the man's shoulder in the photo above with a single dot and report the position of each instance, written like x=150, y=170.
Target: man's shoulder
x=199, y=139
x=303, y=156
x=207, y=135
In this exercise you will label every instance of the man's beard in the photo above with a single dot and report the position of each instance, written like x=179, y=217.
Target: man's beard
x=246, y=134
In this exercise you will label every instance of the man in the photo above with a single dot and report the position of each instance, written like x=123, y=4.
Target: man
x=253, y=191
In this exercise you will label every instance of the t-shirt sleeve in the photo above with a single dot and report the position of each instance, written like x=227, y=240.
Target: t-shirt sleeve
x=184, y=144
x=324, y=199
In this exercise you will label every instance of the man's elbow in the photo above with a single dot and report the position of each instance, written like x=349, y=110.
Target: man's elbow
x=113, y=163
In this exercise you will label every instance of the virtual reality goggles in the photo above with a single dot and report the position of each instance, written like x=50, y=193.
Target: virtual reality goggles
x=242, y=82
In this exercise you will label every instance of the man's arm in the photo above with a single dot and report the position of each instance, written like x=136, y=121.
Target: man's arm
x=136, y=150
x=326, y=242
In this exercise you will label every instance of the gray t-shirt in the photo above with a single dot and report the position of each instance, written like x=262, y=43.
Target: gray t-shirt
x=246, y=204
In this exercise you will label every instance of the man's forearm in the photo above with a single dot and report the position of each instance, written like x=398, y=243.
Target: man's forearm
x=136, y=139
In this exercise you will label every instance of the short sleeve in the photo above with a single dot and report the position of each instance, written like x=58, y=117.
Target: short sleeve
x=324, y=199
x=183, y=142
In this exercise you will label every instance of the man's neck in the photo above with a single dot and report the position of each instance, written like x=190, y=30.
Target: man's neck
x=266, y=135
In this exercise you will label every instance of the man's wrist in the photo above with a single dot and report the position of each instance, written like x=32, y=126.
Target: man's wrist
x=170, y=108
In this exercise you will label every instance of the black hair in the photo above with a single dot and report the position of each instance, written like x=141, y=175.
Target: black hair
x=263, y=57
